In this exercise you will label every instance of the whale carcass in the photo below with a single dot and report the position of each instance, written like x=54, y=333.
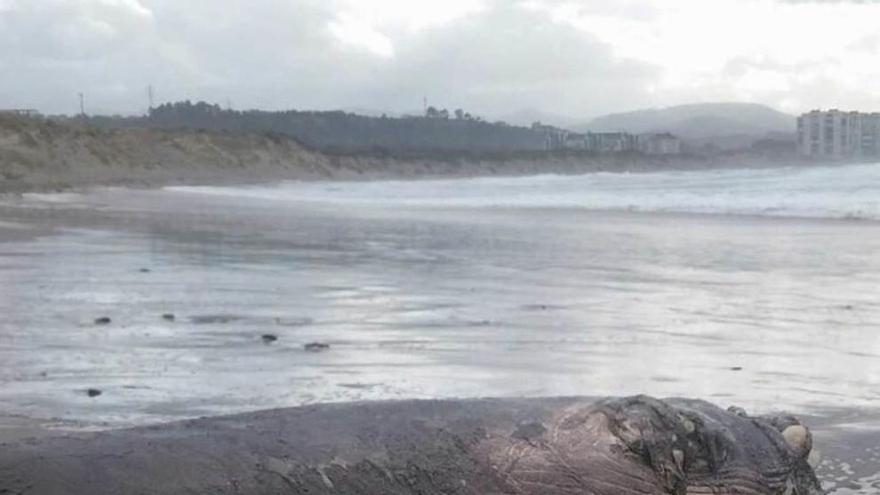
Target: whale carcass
x=633, y=445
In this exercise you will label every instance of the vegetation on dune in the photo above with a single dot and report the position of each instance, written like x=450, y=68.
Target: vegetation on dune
x=438, y=130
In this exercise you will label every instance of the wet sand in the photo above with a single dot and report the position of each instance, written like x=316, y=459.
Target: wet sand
x=765, y=313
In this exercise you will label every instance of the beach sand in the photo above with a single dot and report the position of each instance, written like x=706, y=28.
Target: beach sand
x=765, y=313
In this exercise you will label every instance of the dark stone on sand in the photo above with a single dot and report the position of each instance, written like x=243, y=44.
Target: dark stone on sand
x=93, y=392
x=168, y=317
x=541, y=307
x=294, y=322
x=104, y=320
x=316, y=346
x=269, y=338
x=210, y=319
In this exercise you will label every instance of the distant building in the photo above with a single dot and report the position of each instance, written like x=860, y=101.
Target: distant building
x=659, y=144
x=837, y=134
x=22, y=112
x=554, y=137
x=575, y=141
x=611, y=142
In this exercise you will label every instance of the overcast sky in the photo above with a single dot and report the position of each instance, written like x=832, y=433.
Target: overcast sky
x=492, y=57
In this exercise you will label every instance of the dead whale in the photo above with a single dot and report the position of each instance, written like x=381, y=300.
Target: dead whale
x=635, y=445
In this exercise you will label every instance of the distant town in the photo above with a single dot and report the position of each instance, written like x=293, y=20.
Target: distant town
x=437, y=129
x=661, y=143
x=831, y=134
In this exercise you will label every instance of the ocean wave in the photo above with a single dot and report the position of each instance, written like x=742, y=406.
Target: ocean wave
x=841, y=191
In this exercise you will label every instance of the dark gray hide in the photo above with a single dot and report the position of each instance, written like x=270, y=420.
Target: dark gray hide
x=624, y=446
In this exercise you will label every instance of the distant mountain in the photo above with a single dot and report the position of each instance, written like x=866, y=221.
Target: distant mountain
x=726, y=125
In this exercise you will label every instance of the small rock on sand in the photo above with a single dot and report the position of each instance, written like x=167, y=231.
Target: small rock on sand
x=104, y=320
x=213, y=319
x=316, y=346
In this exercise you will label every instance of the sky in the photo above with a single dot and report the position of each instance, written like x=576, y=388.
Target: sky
x=497, y=58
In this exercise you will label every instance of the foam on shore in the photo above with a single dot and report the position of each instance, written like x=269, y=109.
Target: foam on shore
x=846, y=192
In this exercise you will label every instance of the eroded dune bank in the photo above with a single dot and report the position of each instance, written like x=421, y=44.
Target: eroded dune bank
x=46, y=155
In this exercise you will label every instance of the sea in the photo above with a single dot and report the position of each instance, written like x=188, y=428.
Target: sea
x=748, y=287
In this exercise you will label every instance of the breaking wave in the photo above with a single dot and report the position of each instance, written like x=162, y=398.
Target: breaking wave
x=841, y=191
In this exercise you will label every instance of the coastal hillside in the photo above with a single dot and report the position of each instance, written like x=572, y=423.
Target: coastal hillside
x=43, y=153
x=40, y=154
x=437, y=130
x=724, y=125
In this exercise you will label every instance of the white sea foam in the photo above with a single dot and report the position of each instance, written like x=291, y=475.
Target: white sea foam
x=850, y=191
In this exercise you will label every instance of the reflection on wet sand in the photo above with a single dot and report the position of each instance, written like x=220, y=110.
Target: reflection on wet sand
x=764, y=313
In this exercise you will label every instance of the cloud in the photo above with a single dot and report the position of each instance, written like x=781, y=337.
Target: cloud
x=695, y=42
x=359, y=34
x=64, y=30
x=510, y=56
x=492, y=57
x=840, y=2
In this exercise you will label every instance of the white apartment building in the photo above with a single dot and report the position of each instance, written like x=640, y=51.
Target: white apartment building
x=609, y=142
x=659, y=144
x=837, y=134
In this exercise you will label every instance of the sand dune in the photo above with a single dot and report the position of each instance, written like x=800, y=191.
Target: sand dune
x=47, y=155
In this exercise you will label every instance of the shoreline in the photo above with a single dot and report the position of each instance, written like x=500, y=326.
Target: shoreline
x=404, y=173
x=44, y=156
x=27, y=216
x=427, y=173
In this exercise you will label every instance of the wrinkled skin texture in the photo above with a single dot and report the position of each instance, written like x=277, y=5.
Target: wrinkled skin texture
x=643, y=445
x=635, y=445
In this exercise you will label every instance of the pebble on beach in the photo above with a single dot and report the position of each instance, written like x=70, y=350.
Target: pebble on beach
x=316, y=346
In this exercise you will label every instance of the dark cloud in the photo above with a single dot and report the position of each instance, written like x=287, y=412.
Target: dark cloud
x=281, y=53
x=495, y=61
